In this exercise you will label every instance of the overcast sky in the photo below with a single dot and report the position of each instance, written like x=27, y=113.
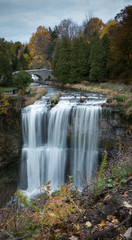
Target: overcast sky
x=20, y=18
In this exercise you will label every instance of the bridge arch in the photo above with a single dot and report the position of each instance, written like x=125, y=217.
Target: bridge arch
x=41, y=73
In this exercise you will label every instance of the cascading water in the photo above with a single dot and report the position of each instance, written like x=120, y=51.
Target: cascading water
x=85, y=142
x=60, y=141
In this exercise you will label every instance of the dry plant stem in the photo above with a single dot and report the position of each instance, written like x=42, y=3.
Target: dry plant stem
x=74, y=204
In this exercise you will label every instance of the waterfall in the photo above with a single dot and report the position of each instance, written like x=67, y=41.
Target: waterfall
x=85, y=142
x=58, y=142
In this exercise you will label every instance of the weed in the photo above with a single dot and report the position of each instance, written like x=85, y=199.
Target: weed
x=102, y=168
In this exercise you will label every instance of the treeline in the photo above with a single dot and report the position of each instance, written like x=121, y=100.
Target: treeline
x=13, y=57
x=94, y=51
x=98, y=53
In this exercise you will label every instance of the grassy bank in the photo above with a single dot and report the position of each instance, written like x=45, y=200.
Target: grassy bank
x=34, y=93
x=7, y=89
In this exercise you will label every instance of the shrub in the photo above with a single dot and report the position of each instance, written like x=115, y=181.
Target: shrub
x=21, y=80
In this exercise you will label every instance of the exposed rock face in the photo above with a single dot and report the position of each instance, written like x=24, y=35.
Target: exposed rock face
x=11, y=135
x=115, y=132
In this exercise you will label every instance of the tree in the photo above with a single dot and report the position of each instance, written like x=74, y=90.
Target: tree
x=55, y=61
x=5, y=71
x=22, y=63
x=52, y=43
x=38, y=47
x=105, y=42
x=21, y=80
x=5, y=63
x=97, y=72
x=79, y=60
x=120, y=62
x=67, y=28
x=61, y=61
x=92, y=25
x=109, y=28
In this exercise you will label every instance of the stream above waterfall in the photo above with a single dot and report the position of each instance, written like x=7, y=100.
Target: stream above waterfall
x=60, y=141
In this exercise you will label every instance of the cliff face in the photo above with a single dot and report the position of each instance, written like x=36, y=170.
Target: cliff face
x=11, y=135
x=115, y=134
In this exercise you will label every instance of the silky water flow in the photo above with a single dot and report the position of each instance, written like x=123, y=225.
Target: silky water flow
x=59, y=141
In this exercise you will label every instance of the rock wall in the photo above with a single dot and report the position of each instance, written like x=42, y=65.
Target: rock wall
x=115, y=132
x=11, y=135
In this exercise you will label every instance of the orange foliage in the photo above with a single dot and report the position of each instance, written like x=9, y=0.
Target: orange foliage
x=38, y=45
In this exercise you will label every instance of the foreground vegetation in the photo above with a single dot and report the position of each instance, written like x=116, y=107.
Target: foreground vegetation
x=101, y=211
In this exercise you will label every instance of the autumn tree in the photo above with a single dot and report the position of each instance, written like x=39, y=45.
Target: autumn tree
x=38, y=47
x=109, y=28
x=92, y=25
x=120, y=62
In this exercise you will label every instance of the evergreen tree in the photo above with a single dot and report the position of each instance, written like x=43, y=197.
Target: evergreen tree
x=97, y=72
x=56, y=60
x=62, y=60
x=105, y=54
x=75, y=75
x=79, y=60
x=5, y=71
x=22, y=63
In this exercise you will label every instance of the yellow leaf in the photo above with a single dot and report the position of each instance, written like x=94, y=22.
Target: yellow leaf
x=102, y=224
x=77, y=227
x=52, y=214
x=88, y=224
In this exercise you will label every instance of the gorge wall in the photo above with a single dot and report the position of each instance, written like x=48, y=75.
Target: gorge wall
x=11, y=134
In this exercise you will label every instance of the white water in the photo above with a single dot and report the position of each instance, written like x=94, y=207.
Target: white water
x=60, y=141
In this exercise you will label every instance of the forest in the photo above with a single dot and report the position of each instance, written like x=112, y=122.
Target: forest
x=92, y=52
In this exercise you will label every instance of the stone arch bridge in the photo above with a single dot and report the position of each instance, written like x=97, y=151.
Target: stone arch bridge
x=41, y=73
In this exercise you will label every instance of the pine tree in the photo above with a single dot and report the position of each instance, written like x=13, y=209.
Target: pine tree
x=75, y=75
x=61, y=62
x=97, y=72
x=79, y=60
x=105, y=54
x=56, y=60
